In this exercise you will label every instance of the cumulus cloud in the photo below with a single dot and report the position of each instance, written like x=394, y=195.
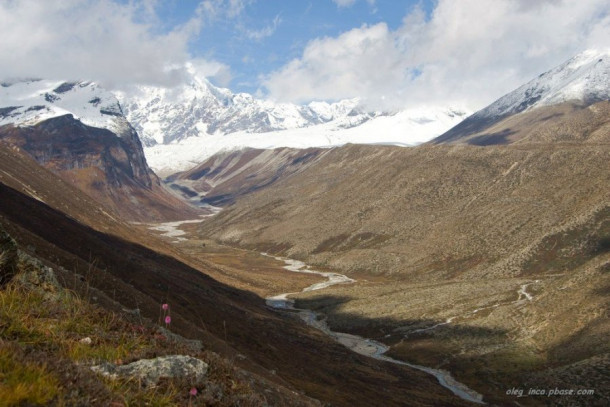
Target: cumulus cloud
x=463, y=52
x=94, y=39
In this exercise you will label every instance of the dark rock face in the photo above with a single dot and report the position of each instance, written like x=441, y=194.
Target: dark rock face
x=64, y=143
x=65, y=87
x=110, y=167
x=6, y=111
x=8, y=257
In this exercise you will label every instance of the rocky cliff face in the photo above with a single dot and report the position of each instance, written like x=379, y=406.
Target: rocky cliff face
x=66, y=144
x=78, y=131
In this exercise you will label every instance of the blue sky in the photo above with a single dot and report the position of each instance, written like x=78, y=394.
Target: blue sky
x=267, y=34
x=389, y=54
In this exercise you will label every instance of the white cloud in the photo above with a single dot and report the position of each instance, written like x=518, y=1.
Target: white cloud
x=220, y=73
x=349, y=3
x=93, y=39
x=464, y=52
x=267, y=31
x=344, y=3
x=336, y=68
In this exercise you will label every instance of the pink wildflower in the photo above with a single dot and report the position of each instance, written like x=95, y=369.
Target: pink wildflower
x=165, y=307
x=168, y=320
x=193, y=392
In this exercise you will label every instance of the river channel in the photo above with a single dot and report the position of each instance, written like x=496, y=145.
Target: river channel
x=358, y=344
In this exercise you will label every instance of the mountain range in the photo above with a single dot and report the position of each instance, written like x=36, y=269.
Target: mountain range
x=182, y=126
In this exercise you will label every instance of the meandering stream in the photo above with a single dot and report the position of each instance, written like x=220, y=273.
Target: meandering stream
x=358, y=344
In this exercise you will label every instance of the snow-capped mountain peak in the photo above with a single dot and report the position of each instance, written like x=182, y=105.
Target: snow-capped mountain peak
x=584, y=78
x=198, y=108
x=28, y=102
x=182, y=126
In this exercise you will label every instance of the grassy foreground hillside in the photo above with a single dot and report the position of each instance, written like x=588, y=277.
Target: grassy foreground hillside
x=50, y=337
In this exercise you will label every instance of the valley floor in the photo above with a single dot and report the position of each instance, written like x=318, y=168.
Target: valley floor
x=491, y=334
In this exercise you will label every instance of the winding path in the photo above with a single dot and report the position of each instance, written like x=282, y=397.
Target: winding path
x=358, y=344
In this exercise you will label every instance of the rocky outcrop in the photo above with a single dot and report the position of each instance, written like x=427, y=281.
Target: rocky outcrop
x=151, y=371
x=109, y=167
x=36, y=276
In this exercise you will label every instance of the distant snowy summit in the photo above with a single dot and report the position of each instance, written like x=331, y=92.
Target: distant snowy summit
x=181, y=127
x=165, y=115
x=405, y=128
x=30, y=101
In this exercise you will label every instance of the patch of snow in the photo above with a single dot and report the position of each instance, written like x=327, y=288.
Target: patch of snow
x=584, y=77
x=25, y=103
x=405, y=128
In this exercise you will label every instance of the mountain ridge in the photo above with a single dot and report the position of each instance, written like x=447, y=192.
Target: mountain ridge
x=78, y=130
x=161, y=115
x=582, y=80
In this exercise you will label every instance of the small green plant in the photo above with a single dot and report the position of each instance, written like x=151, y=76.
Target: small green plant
x=24, y=382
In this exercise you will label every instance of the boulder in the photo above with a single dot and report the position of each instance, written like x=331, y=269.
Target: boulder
x=150, y=371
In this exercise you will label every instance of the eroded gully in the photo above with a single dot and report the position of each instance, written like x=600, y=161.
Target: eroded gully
x=358, y=344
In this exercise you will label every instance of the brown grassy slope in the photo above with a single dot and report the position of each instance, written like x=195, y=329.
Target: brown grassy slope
x=44, y=360
x=432, y=212
x=455, y=229
x=565, y=122
x=276, y=348
x=229, y=175
x=20, y=172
